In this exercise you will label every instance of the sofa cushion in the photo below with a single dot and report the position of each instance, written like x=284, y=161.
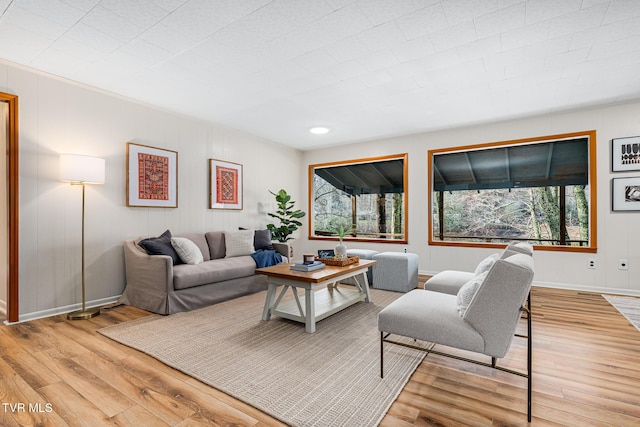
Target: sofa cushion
x=214, y=271
x=161, y=245
x=188, y=251
x=201, y=242
x=238, y=243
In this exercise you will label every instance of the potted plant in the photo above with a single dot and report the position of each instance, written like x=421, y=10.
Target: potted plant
x=341, y=249
x=287, y=215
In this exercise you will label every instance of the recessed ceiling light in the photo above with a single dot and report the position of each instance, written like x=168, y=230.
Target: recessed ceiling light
x=319, y=130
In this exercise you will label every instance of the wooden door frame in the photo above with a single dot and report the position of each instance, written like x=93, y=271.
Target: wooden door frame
x=12, y=207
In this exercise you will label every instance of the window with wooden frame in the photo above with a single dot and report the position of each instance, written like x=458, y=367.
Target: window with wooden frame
x=366, y=198
x=539, y=190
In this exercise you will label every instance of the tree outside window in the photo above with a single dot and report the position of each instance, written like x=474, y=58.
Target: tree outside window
x=537, y=190
x=366, y=197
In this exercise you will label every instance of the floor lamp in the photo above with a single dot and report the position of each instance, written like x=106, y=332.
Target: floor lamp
x=80, y=170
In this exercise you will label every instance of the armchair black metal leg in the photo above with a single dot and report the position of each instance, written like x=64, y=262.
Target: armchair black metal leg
x=529, y=358
x=381, y=354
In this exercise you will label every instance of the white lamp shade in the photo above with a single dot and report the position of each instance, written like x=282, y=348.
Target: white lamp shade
x=78, y=168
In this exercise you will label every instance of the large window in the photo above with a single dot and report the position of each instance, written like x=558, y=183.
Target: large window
x=538, y=190
x=367, y=198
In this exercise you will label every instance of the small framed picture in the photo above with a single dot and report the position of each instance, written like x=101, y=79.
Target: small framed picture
x=626, y=194
x=325, y=253
x=152, y=177
x=225, y=185
x=625, y=154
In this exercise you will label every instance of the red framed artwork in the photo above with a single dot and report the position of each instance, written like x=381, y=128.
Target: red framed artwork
x=225, y=185
x=152, y=177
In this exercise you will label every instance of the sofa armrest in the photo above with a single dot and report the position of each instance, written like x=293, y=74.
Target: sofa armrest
x=283, y=249
x=149, y=278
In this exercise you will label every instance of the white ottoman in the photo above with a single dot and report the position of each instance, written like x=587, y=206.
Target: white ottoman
x=363, y=254
x=395, y=271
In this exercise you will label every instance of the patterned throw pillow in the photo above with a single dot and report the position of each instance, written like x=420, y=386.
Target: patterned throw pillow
x=468, y=291
x=188, y=251
x=238, y=243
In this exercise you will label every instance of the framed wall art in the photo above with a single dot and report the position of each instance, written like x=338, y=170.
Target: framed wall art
x=625, y=154
x=626, y=194
x=225, y=185
x=152, y=177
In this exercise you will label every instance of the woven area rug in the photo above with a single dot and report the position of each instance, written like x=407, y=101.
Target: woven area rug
x=328, y=378
x=629, y=307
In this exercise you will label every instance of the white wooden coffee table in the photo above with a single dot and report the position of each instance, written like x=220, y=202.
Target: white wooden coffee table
x=322, y=294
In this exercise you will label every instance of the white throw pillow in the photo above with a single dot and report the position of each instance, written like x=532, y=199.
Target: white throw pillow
x=188, y=251
x=486, y=264
x=468, y=291
x=238, y=243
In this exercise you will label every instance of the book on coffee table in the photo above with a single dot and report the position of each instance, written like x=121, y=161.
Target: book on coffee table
x=300, y=266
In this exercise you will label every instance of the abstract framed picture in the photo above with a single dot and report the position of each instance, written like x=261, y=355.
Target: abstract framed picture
x=152, y=177
x=625, y=154
x=225, y=185
x=625, y=194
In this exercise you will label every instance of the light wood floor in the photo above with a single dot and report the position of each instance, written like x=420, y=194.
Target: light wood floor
x=586, y=373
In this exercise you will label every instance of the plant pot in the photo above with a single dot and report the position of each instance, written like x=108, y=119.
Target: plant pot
x=340, y=251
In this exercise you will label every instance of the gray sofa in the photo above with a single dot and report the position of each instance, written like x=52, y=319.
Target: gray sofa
x=155, y=284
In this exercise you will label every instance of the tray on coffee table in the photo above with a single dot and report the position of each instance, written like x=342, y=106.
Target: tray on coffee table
x=340, y=262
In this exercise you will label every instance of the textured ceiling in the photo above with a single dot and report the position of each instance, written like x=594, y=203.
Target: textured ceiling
x=366, y=69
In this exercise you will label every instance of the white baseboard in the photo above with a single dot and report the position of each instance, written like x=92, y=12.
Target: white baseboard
x=104, y=301
x=61, y=310
x=569, y=286
x=594, y=289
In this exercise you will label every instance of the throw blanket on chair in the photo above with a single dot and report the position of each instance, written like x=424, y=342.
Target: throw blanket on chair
x=266, y=257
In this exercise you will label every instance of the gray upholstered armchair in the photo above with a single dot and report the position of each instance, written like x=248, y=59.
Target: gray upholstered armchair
x=482, y=317
x=450, y=281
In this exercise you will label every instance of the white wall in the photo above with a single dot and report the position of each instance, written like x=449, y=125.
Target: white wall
x=57, y=116
x=618, y=233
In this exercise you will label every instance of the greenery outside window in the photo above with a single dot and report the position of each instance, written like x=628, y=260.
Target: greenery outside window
x=366, y=197
x=539, y=190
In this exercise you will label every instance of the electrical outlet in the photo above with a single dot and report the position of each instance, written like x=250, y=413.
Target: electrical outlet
x=623, y=264
x=591, y=263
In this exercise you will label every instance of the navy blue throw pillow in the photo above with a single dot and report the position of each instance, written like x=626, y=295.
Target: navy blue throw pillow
x=262, y=240
x=161, y=245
